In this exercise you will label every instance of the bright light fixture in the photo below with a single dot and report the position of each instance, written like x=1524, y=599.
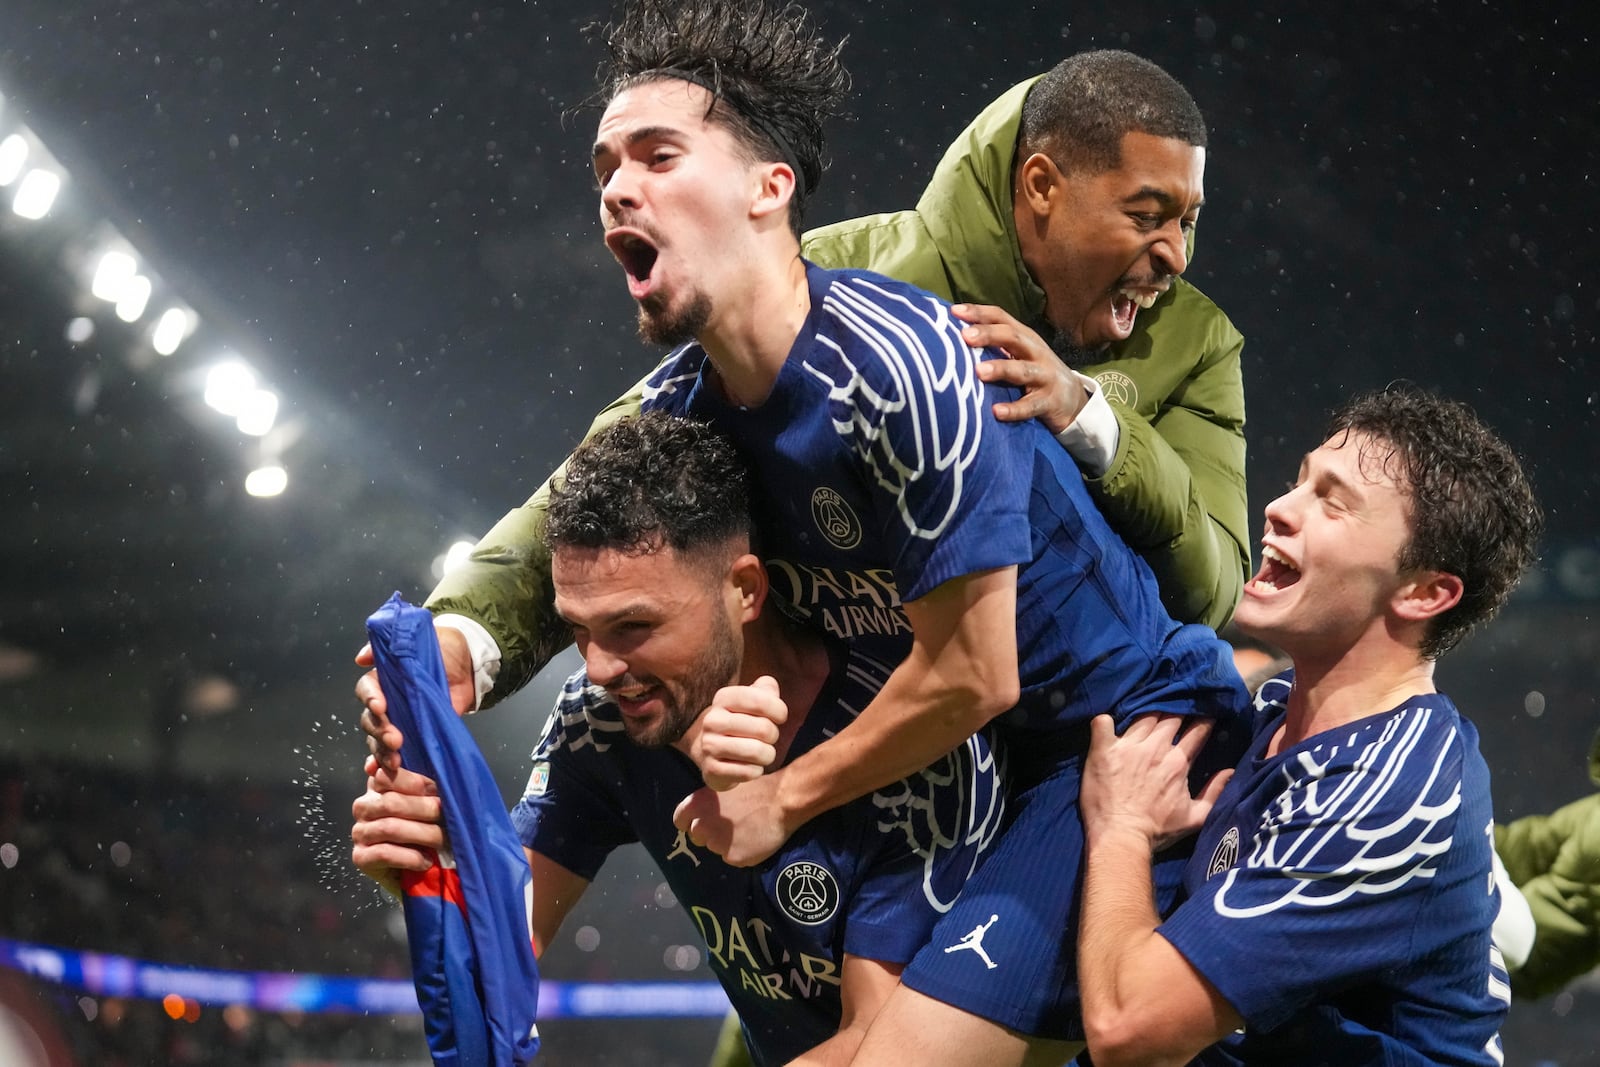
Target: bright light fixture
x=171, y=329
x=229, y=385
x=113, y=275
x=135, y=295
x=457, y=554
x=266, y=481
x=13, y=154
x=80, y=329
x=36, y=194
x=257, y=412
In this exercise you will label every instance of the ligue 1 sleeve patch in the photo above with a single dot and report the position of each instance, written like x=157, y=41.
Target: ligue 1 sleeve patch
x=807, y=893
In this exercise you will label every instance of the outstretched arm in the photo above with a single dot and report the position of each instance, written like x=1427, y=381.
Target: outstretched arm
x=399, y=825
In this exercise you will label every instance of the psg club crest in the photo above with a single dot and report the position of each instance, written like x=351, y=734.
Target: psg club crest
x=1226, y=854
x=835, y=519
x=807, y=893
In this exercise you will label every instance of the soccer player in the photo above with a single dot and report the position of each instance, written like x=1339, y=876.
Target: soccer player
x=895, y=509
x=1340, y=896
x=1055, y=206
x=650, y=538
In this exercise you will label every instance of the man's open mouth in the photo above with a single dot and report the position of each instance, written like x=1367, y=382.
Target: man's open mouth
x=1125, y=304
x=1277, y=570
x=636, y=254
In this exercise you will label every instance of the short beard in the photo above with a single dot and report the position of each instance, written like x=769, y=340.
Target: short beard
x=716, y=667
x=659, y=325
x=1071, y=353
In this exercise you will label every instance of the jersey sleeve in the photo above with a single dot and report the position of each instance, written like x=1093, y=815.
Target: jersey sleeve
x=951, y=481
x=567, y=811
x=927, y=833
x=1334, y=884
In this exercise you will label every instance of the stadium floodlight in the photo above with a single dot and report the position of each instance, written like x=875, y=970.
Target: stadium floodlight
x=257, y=412
x=13, y=154
x=36, y=194
x=135, y=295
x=171, y=329
x=270, y=480
x=113, y=275
x=229, y=385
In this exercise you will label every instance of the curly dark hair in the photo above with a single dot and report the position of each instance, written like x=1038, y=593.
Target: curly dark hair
x=1471, y=509
x=1078, y=113
x=773, y=80
x=650, y=481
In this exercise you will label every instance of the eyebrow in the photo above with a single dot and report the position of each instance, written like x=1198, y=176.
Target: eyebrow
x=643, y=133
x=622, y=614
x=1330, y=478
x=1160, y=196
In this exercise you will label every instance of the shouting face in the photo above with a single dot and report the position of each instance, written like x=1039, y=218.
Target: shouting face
x=1103, y=245
x=674, y=200
x=656, y=631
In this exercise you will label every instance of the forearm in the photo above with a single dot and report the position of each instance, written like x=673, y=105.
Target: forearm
x=961, y=672
x=837, y=1051
x=1116, y=926
x=918, y=717
x=1134, y=797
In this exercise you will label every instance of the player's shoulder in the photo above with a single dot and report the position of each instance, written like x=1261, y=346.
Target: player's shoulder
x=1416, y=752
x=878, y=315
x=668, y=386
x=584, y=723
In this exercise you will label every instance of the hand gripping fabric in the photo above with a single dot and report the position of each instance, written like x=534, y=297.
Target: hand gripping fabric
x=467, y=918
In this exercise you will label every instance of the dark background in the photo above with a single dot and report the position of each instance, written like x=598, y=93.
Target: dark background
x=381, y=207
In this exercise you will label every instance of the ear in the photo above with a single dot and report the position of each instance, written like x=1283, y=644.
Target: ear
x=774, y=189
x=748, y=580
x=1429, y=594
x=1040, y=184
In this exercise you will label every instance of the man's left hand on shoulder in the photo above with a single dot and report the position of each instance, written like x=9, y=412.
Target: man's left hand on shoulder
x=1052, y=393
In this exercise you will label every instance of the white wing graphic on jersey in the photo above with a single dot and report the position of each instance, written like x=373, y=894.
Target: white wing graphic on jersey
x=656, y=386
x=1368, y=831
x=932, y=385
x=956, y=802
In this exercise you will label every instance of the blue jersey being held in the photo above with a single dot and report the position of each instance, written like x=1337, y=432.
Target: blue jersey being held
x=1341, y=895
x=869, y=879
x=467, y=915
x=881, y=472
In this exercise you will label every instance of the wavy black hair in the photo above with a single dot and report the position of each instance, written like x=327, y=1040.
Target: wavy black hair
x=1471, y=508
x=651, y=481
x=773, y=79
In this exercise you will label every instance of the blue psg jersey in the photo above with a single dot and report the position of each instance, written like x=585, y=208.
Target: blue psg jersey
x=869, y=879
x=882, y=472
x=1341, y=894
